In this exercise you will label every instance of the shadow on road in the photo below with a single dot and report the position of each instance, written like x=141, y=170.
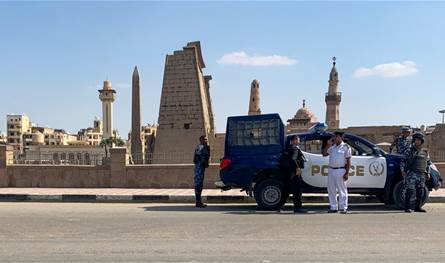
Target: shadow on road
x=253, y=209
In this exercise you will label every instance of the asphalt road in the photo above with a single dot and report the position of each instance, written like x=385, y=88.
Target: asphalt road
x=94, y=232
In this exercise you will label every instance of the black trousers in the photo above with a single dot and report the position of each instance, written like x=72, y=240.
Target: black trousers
x=292, y=185
x=296, y=191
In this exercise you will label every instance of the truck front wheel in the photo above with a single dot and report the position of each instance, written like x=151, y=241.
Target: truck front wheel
x=268, y=194
x=398, y=195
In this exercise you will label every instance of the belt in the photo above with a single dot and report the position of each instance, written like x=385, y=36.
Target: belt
x=337, y=167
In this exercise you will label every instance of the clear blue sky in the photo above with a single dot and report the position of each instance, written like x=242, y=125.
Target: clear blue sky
x=54, y=57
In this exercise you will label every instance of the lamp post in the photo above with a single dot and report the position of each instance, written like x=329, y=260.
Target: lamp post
x=443, y=115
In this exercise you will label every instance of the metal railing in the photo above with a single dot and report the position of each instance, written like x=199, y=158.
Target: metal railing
x=92, y=160
x=437, y=156
x=161, y=158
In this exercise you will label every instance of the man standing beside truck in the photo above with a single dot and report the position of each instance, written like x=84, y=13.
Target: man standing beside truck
x=414, y=169
x=201, y=161
x=294, y=158
x=403, y=142
x=339, y=163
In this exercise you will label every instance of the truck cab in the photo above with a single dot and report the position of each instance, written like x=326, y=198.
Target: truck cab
x=254, y=145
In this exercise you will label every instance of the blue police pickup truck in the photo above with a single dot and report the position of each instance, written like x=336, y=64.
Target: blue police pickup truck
x=254, y=145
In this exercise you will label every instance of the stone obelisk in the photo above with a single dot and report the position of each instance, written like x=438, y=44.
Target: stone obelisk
x=136, y=143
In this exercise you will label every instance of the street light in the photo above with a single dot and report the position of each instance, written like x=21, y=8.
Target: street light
x=443, y=115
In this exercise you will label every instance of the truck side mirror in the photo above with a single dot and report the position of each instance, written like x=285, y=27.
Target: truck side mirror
x=376, y=152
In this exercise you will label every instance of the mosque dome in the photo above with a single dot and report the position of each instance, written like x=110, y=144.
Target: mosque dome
x=305, y=113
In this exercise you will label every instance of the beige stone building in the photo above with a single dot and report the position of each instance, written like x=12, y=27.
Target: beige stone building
x=17, y=125
x=47, y=136
x=92, y=135
x=302, y=121
x=185, y=111
x=3, y=138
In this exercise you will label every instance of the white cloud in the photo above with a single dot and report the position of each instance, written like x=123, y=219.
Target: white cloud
x=388, y=70
x=242, y=58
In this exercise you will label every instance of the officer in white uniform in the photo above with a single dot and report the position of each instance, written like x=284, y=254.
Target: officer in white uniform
x=339, y=163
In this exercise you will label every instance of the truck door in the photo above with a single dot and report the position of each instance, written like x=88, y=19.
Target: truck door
x=367, y=170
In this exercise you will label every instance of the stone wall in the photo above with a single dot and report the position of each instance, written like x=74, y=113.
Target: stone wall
x=66, y=176
x=167, y=176
x=436, y=143
x=137, y=176
x=116, y=175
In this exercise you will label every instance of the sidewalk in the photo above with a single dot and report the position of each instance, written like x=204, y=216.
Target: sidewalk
x=160, y=195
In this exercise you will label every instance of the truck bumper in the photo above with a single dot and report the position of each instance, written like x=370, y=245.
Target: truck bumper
x=222, y=186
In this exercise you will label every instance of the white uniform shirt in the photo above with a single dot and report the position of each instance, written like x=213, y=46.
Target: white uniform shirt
x=338, y=155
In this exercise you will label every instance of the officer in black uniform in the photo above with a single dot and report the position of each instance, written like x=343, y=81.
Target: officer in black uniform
x=414, y=169
x=292, y=164
x=201, y=161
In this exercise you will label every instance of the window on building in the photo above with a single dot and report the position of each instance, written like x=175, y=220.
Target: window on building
x=71, y=158
x=87, y=159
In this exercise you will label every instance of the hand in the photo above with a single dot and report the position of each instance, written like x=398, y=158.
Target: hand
x=403, y=174
x=329, y=144
x=345, y=176
x=298, y=172
x=428, y=177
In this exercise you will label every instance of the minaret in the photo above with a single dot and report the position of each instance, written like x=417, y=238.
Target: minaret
x=333, y=99
x=254, y=103
x=136, y=143
x=106, y=95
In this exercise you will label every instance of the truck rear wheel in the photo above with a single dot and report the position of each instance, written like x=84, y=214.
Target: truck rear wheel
x=398, y=195
x=268, y=194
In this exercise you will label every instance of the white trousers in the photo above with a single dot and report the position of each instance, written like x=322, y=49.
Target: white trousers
x=336, y=184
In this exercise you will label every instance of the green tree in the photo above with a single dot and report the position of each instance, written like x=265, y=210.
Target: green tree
x=110, y=143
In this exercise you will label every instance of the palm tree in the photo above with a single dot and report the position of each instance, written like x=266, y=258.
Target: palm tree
x=110, y=143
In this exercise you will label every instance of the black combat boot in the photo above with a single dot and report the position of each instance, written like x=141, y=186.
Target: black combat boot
x=419, y=192
x=198, y=198
x=408, y=201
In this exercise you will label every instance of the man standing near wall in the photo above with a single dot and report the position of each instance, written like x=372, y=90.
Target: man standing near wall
x=201, y=161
